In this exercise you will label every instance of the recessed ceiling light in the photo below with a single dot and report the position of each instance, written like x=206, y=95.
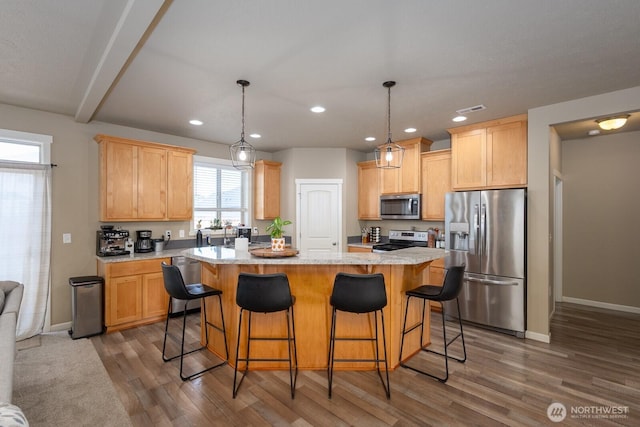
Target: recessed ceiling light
x=318, y=109
x=370, y=138
x=594, y=132
x=196, y=122
x=410, y=130
x=459, y=119
x=255, y=135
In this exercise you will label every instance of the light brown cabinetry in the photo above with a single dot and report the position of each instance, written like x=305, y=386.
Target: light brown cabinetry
x=436, y=278
x=490, y=154
x=134, y=293
x=266, y=187
x=144, y=181
x=368, y=190
x=405, y=179
x=359, y=249
x=436, y=182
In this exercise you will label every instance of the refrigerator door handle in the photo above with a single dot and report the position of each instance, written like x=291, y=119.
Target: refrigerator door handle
x=476, y=225
x=492, y=282
x=483, y=229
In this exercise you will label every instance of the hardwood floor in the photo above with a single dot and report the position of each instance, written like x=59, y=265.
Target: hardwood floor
x=592, y=367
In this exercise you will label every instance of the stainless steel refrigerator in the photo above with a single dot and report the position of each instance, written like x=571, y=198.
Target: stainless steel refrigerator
x=486, y=231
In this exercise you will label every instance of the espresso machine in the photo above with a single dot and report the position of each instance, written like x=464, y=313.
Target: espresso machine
x=110, y=242
x=144, y=242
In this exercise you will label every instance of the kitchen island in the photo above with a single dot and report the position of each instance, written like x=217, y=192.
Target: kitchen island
x=311, y=277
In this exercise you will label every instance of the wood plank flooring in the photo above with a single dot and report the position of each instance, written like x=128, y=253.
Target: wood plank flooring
x=591, y=366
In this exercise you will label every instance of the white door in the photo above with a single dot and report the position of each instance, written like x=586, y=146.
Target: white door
x=319, y=215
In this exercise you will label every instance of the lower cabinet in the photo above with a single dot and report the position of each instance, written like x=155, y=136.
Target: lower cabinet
x=359, y=249
x=436, y=277
x=134, y=293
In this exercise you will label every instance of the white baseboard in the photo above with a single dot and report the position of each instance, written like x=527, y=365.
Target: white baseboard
x=599, y=304
x=60, y=327
x=536, y=336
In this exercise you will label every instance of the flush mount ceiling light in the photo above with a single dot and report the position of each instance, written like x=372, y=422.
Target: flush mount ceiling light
x=410, y=130
x=459, y=118
x=196, y=122
x=613, y=123
x=389, y=155
x=243, y=155
x=318, y=109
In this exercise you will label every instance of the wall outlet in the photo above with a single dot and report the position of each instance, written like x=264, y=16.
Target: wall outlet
x=66, y=238
x=181, y=233
x=167, y=234
x=255, y=230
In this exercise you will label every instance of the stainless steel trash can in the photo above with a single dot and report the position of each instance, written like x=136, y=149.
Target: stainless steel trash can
x=87, y=306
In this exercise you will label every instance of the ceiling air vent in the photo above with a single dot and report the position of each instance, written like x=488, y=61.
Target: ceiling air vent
x=471, y=109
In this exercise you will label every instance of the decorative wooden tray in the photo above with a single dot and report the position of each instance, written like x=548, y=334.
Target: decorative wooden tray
x=268, y=253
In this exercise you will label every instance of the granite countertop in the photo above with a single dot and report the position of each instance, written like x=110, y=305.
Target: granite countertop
x=408, y=256
x=166, y=253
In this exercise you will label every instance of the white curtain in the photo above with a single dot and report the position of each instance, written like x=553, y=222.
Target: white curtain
x=25, y=239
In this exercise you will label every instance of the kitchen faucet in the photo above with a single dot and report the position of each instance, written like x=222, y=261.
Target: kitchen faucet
x=226, y=241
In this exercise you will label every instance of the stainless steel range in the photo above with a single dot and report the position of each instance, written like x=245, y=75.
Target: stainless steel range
x=401, y=239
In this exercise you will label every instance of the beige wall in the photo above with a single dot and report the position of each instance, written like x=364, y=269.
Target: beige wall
x=540, y=177
x=601, y=209
x=321, y=163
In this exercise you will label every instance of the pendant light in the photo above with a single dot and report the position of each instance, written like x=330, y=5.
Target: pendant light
x=243, y=155
x=389, y=155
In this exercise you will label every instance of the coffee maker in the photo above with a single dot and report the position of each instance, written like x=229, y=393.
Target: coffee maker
x=110, y=242
x=144, y=243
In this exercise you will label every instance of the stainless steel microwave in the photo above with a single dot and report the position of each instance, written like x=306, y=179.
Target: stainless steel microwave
x=400, y=206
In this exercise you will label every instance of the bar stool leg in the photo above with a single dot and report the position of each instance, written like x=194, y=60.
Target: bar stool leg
x=387, y=386
x=292, y=377
x=332, y=344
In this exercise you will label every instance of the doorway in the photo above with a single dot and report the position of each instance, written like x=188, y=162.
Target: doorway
x=319, y=215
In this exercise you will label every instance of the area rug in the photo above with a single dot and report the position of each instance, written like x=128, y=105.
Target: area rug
x=62, y=382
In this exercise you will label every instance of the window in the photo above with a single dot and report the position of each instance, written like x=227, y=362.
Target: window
x=220, y=193
x=24, y=147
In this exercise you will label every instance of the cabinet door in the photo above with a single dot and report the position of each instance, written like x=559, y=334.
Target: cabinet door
x=152, y=183
x=409, y=173
x=155, y=299
x=368, y=190
x=179, y=185
x=507, y=155
x=266, y=187
x=118, y=181
x=123, y=300
x=468, y=159
x=436, y=182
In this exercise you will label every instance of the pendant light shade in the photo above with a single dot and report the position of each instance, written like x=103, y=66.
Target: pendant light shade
x=243, y=155
x=389, y=155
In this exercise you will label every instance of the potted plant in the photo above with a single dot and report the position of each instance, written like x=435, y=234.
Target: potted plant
x=275, y=230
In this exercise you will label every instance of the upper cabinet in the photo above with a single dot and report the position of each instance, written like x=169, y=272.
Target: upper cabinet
x=266, y=187
x=368, y=190
x=405, y=179
x=142, y=180
x=436, y=182
x=490, y=154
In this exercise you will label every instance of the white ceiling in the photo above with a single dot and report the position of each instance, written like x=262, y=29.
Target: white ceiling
x=155, y=64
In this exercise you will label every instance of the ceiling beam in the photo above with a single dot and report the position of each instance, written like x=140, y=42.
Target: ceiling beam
x=135, y=24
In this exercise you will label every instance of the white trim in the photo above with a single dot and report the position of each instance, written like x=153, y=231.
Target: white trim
x=600, y=304
x=537, y=336
x=60, y=327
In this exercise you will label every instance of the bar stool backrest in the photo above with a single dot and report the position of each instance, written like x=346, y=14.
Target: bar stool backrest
x=174, y=283
x=263, y=293
x=452, y=283
x=358, y=293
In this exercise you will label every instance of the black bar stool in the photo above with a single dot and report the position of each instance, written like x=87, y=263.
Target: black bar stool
x=447, y=292
x=176, y=288
x=266, y=293
x=359, y=293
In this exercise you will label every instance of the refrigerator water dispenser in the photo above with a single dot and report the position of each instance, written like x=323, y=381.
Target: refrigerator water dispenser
x=458, y=236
